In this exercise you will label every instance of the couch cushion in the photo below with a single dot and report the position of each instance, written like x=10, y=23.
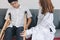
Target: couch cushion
x=2, y=15
x=34, y=17
x=57, y=18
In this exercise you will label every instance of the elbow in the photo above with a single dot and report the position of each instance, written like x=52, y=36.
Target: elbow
x=8, y=21
x=29, y=19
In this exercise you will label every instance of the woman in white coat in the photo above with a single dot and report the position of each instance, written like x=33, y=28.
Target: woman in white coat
x=45, y=28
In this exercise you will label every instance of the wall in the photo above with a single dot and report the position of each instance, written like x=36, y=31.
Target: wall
x=31, y=4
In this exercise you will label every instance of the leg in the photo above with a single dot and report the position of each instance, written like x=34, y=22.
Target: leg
x=18, y=31
x=8, y=34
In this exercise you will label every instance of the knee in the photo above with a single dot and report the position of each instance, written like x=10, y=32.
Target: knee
x=9, y=30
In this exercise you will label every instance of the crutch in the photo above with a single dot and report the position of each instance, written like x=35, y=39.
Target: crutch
x=4, y=28
x=2, y=37
x=25, y=24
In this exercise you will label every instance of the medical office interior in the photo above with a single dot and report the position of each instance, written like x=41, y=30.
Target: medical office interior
x=33, y=6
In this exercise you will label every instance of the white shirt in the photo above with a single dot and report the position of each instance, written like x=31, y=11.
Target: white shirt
x=17, y=16
x=42, y=31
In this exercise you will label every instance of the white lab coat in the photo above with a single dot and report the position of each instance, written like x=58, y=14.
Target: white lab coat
x=42, y=30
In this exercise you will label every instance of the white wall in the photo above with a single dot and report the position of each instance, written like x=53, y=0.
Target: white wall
x=31, y=4
x=56, y=4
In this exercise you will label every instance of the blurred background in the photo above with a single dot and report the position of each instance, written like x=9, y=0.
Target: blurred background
x=33, y=6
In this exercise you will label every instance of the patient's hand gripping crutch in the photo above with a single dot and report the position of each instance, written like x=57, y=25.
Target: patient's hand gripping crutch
x=25, y=24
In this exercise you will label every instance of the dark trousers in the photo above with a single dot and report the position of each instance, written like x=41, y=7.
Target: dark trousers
x=14, y=30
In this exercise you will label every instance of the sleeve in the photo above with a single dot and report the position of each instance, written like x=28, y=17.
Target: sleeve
x=29, y=32
x=28, y=13
x=7, y=14
x=48, y=21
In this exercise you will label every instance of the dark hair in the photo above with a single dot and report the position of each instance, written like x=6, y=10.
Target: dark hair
x=46, y=6
x=11, y=1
